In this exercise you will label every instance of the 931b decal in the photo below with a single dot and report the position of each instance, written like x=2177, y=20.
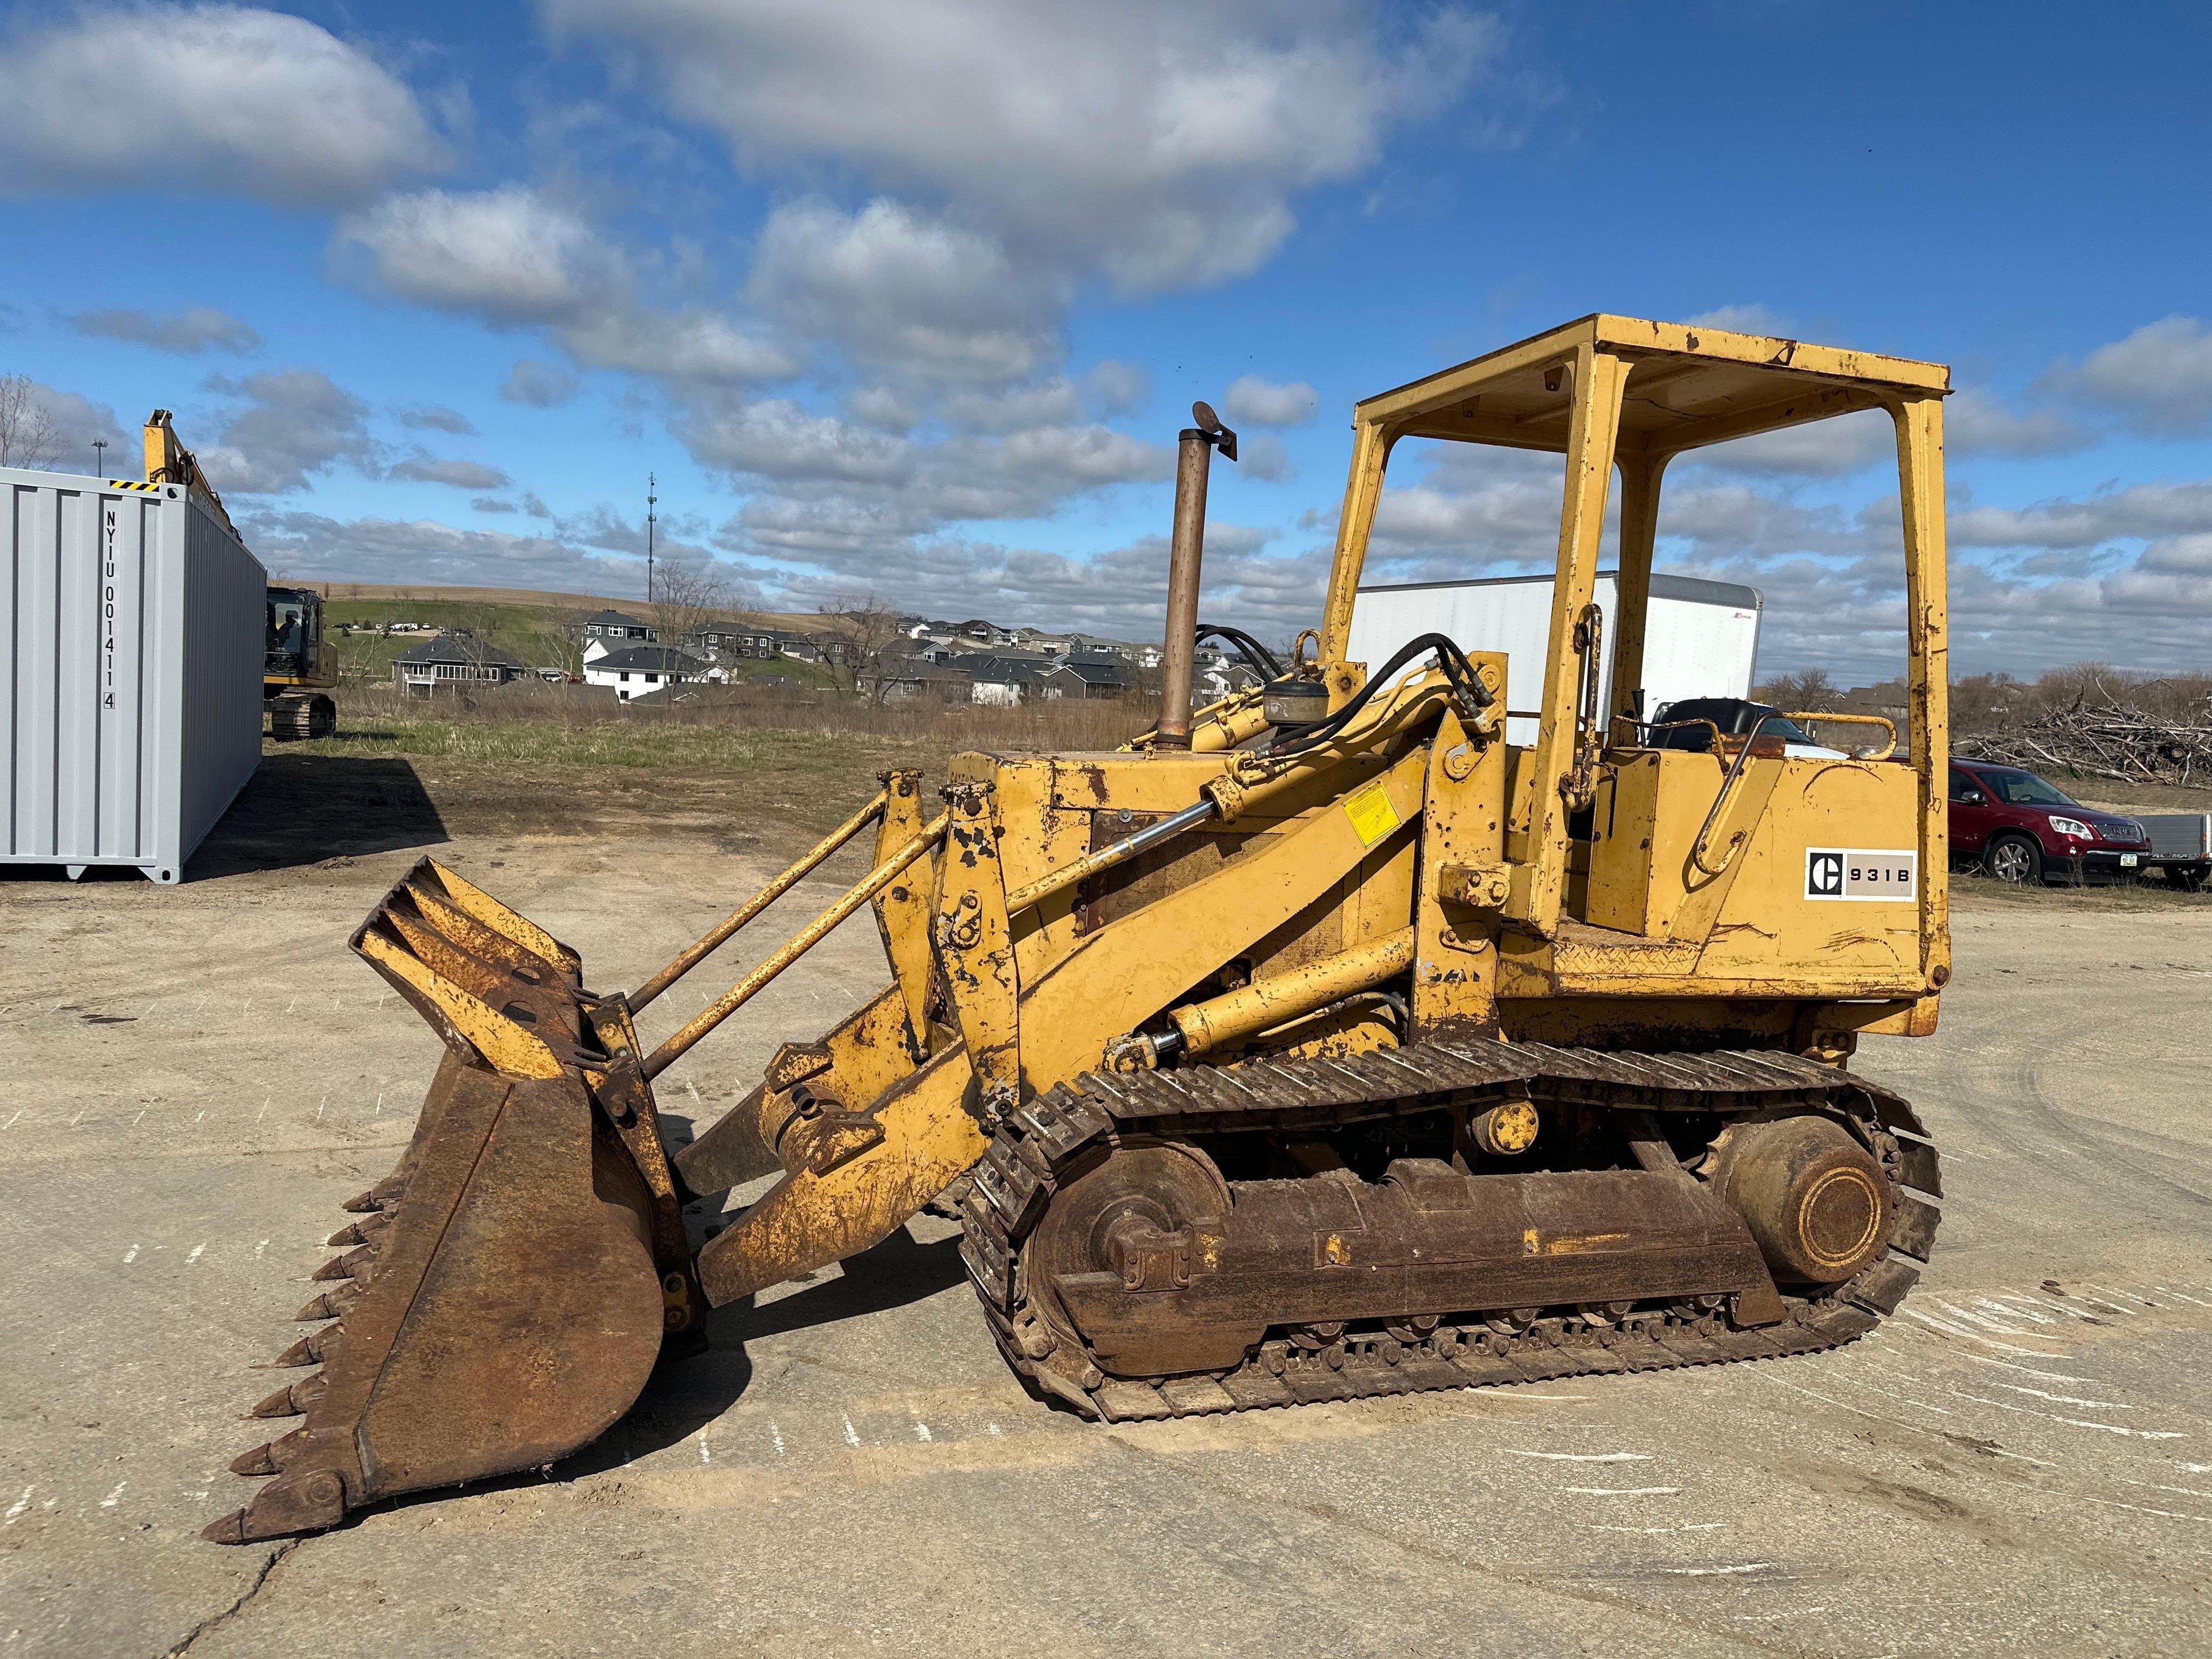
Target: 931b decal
x=1861, y=872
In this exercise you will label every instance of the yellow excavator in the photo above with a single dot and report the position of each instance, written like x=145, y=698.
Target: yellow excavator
x=300, y=667
x=1318, y=1043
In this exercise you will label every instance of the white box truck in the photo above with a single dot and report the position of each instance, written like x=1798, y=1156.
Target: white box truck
x=1701, y=638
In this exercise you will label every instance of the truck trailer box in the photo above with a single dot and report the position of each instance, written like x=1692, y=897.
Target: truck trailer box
x=2180, y=844
x=1701, y=638
x=131, y=634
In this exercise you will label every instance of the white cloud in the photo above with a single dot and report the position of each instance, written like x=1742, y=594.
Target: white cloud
x=2144, y=510
x=1251, y=401
x=777, y=439
x=699, y=346
x=421, y=552
x=1263, y=456
x=1156, y=143
x=826, y=490
x=1055, y=402
x=902, y=291
x=1121, y=592
x=509, y=255
x=226, y=100
x=1975, y=423
x=516, y=257
x=1818, y=449
x=2158, y=379
x=489, y=504
x=436, y=417
x=1117, y=388
x=538, y=385
x=461, y=474
x=56, y=429
x=295, y=422
x=195, y=328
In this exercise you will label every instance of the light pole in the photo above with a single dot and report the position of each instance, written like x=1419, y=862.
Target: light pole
x=651, y=485
x=100, y=458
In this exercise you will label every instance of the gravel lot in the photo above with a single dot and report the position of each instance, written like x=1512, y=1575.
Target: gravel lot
x=2021, y=1461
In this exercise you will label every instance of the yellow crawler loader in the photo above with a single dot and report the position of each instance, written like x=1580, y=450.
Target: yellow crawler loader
x=1318, y=1043
x=300, y=668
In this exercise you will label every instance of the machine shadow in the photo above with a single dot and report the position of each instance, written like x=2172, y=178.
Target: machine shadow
x=685, y=1395
x=301, y=809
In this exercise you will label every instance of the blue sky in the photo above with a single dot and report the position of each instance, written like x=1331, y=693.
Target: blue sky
x=907, y=300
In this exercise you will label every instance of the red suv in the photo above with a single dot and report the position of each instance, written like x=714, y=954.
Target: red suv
x=2021, y=828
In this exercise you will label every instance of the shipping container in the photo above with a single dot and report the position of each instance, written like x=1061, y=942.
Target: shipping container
x=131, y=634
x=1701, y=638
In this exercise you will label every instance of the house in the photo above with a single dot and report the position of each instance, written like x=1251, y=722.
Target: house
x=1222, y=677
x=908, y=677
x=1100, y=679
x=1000, y=682
x=453, y=661
x=723, y=640
x=637, y=668
x=616, y=627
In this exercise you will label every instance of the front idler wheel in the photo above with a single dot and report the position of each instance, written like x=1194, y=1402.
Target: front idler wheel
x=1816, y=1202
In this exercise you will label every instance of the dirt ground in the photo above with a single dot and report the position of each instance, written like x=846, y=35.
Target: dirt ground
x=2021, y=1461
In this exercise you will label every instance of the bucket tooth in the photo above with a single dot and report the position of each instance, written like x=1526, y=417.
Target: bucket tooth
x=262, y=1459
x=292, y=1502
x=353, y=1264
x=360, y=1232
x=302, y=1353
x=312, y=1349
x=231, y=1529
x=385, y=1196
x=331, y=1304
x=291, y=1401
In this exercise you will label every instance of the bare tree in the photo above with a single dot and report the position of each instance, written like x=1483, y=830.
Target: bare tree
x=1808, y=688
x=685, y=598
x=869, y=642
x=28, y=436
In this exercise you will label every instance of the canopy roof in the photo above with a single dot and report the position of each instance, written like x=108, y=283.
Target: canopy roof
x=1687, y=387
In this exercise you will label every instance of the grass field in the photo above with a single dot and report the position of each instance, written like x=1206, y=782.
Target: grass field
x=535, y=633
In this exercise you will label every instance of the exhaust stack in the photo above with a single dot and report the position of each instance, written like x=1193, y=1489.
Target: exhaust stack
x=1194, y=461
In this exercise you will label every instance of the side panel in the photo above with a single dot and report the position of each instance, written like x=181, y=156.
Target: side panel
x=225, y=596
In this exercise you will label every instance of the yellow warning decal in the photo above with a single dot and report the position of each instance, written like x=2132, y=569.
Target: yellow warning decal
x=1371, y=813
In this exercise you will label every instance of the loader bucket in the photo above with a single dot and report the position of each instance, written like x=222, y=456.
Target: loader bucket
x=505, y=1290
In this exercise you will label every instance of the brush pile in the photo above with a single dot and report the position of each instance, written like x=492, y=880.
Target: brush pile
x=2109, y=738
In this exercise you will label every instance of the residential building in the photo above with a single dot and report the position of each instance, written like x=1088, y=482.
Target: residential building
x=908, y=677
x=1100, y=678
x=723, y=640
x=1220, y=678
x=636, y=669
x=453, y=661
x=616, y=627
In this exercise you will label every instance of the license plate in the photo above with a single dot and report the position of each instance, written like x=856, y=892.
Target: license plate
x=2128, y=860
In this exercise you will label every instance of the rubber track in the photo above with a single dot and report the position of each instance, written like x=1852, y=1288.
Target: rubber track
x=1042, y=1140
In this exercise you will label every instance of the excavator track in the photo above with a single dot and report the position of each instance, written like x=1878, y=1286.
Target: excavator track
x=1045, y=1147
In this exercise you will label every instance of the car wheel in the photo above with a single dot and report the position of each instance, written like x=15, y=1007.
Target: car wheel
x=2015, y=859
x=2189, y=878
